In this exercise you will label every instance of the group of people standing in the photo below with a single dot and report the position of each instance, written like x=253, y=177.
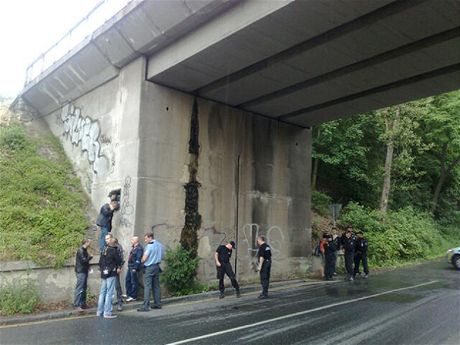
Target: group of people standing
x=148, y=260
x=355, y=252
x=111, y=262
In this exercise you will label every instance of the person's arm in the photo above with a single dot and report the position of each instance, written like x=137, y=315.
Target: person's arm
x=84, y=259
x=216, y=259
x=146, y=254
x=261, y=261
x=137, y=258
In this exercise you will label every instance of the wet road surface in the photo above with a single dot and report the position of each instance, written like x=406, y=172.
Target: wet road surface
x=416, y=305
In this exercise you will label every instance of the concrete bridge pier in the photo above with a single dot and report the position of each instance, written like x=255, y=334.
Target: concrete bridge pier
x=253, y=172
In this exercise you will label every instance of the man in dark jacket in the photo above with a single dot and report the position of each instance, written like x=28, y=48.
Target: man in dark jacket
x=81, y=269
x=264, y=256
x=224, y=267
x=104, y=221
x=349, y=249
x=361, y=255
x=110, y=266
x=134, y=266
x=330, y=258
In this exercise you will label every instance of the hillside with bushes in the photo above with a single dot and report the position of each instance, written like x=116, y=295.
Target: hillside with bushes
x=42, y=204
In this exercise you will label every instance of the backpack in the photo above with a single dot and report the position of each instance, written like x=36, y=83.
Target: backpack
x=317, y=251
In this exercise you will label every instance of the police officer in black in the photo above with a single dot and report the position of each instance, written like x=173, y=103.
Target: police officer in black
x=224, y=267
x=349, y=248
x=265, y=264
x=330, y=257
x=361, y=255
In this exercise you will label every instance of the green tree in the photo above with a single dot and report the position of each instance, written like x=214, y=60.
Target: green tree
x=441, y=129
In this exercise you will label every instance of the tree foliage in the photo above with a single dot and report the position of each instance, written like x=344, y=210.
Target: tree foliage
x=351, y=155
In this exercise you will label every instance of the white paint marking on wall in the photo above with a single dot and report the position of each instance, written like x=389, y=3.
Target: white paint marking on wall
x=299, y=313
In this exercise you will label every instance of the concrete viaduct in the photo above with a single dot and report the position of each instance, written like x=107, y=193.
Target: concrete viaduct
x=262, y=73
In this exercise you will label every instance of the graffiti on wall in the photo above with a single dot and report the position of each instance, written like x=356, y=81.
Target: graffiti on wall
x=85, y=133
x=127, y=209
x=274, y=235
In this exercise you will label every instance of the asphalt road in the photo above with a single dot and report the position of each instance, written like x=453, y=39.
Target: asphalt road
x=417, y=305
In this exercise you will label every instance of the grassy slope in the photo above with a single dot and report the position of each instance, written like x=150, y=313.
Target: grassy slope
x=42, y=204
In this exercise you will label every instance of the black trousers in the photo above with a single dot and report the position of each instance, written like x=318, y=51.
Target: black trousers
x=226, y=269
x=329, y=267
x=349, y=257
x=265, y=276
x=358, y=259
x=118, y=288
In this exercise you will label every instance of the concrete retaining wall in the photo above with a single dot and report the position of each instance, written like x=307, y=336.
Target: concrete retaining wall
x=54, y=285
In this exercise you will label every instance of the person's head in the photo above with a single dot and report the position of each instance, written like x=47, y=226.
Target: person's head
x=108, y=237
x=114, y=205
x=231, y=245
x=261, y=240
x=360, y=234
x=148, y=237
x=328, y=237
x=86, y=243
x=134, y=240
x=110, y=241
x=325, y=235
x=348, y=233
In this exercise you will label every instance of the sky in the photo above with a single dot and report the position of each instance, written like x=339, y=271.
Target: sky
x=30, y=27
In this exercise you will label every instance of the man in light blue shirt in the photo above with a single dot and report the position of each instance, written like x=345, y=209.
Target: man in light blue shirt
x=153, y=254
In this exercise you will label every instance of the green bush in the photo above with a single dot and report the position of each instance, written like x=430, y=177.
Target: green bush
x=42, y=205
x=18, y=297
x=402, y=236
x=180, y=273
x=320, y=202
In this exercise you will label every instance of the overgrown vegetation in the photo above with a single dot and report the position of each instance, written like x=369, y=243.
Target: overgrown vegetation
x=42, y=205
x=400, y=236
x=397, y=171
x=18, y=297
x=180, y=273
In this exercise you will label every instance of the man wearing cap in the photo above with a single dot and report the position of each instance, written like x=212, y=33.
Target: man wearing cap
x=222, y=258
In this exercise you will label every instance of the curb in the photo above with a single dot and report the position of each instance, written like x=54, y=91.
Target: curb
x=7, y=321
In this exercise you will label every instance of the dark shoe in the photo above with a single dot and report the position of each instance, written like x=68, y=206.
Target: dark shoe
x=120, y=308
x=155, y=307
x=262, y=297
x=143, y=309
x=238, y=294
x=84, y=306
x=222, y=295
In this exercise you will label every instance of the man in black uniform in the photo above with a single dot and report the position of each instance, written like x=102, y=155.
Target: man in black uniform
x=330, y=254
x=349, y=248
x=361, y=255
x=265, y=263
x=224, y=267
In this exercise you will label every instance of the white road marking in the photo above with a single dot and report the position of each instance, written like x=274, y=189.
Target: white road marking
x=298, y=314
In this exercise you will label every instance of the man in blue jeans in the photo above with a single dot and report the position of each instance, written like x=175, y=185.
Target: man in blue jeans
x=104, y=221
x=153, y=254
x=110, y=266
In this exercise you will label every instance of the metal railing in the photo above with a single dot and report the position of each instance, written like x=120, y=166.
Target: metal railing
x=101, y=12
